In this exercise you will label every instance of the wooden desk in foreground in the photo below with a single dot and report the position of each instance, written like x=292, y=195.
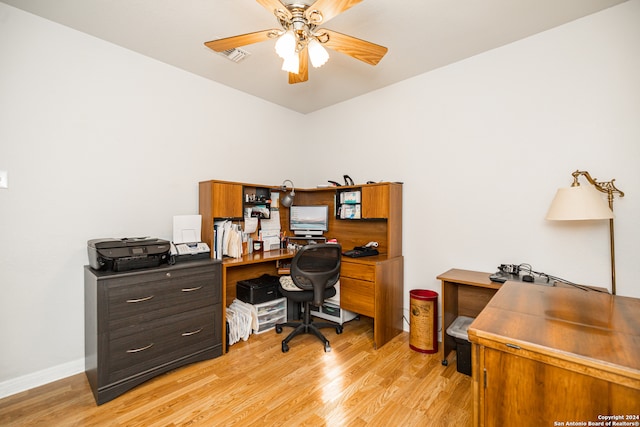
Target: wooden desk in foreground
x=546, y=356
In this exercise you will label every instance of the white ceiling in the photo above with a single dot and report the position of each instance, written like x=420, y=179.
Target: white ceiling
x=421, y=35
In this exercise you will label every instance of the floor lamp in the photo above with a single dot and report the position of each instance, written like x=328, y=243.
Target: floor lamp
x=584, y=203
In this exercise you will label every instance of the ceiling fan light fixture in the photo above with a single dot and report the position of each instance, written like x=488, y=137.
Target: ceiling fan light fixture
x=317, y=53
x=299, y=41
x=291, y=63
x=286, y=45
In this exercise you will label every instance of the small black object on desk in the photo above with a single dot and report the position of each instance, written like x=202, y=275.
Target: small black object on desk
x=258, y=290
x=361, y=251
x=501, y=277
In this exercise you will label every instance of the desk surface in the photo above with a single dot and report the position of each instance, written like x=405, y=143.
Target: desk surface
x=591, y=328
x=258, y=257
x=468, y=277
x=278, y=254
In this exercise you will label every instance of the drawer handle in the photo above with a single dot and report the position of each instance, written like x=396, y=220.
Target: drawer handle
x=191, y=289
x=188, y=334
x=136, y=350
x=140, y=299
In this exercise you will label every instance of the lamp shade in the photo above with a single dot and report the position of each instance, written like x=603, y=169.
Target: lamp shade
x=291, y=63
x=317, y=53
x=578, y=203
x=287, y=200
x=286, y=45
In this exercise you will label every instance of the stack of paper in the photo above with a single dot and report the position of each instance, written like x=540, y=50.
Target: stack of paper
x=270, y=230
x=227, y=239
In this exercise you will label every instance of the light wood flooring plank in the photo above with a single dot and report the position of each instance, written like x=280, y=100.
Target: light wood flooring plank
x=255, y=384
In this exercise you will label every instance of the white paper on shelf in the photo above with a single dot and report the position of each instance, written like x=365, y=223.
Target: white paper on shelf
x=275, y=199
x=271, y=225
x=250, y=224
x=271, y=242
x=270, y=231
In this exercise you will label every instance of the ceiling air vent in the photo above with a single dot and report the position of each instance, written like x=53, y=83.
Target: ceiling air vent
x=235, y=54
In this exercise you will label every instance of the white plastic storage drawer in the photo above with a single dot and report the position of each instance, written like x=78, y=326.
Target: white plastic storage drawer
x=333, y=312
x=270, y=313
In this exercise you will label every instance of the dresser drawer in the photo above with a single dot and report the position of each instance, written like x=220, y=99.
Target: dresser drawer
x=157, y=296
x=142, y=323
x=123, y=283
x=358, y=271
x=357, y=296
x=137, y=348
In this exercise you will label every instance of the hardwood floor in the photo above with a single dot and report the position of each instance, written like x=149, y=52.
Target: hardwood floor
x=255, y=384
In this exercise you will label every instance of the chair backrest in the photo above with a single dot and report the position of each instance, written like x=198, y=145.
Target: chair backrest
x=317, y=267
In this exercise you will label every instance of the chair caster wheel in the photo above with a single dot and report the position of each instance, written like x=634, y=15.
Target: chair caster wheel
x=327, y=347
x=285, y=347
x=339, y=329
x=278, y=329
x=445, y=362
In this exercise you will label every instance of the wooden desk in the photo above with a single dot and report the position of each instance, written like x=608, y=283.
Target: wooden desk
x=373, y=286
x=544, y=355
x=464, y=293
x=249, y=266
x=370, y=286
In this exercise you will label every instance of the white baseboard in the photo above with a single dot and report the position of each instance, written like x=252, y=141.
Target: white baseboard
x=36, y=379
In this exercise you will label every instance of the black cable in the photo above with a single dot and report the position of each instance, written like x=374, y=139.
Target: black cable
x=515, y=269
x=527, y=266
x=559, y=279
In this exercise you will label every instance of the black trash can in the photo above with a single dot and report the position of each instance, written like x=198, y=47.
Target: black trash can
x=458, y=330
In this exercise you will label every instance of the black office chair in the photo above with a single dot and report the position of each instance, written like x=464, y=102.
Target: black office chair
x=315, y=269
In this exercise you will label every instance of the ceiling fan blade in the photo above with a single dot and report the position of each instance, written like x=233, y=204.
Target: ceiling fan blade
x=359, y=49
x=330, y=8
x=303, y=72
x=226, y=43
x=273, y=5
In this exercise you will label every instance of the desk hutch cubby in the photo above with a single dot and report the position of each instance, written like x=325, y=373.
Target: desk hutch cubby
x=370, y=286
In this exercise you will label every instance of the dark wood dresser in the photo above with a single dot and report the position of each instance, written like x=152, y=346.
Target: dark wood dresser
x=141, y=323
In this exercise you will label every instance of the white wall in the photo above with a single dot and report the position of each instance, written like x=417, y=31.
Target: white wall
x=101, y=142
x=482, y=146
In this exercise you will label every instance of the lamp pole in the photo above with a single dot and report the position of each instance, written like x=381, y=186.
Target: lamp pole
x=609, y=188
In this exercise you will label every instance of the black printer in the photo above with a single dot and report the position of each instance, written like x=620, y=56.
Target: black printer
x=127, y=253
x=258, y=290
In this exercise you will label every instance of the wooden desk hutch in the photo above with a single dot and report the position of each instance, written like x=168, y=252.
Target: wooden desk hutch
x=371, y=286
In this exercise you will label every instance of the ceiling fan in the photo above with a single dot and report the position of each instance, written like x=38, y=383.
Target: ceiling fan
x=300, y=40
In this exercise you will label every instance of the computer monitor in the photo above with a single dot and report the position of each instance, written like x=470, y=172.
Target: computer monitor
x=309, y=220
